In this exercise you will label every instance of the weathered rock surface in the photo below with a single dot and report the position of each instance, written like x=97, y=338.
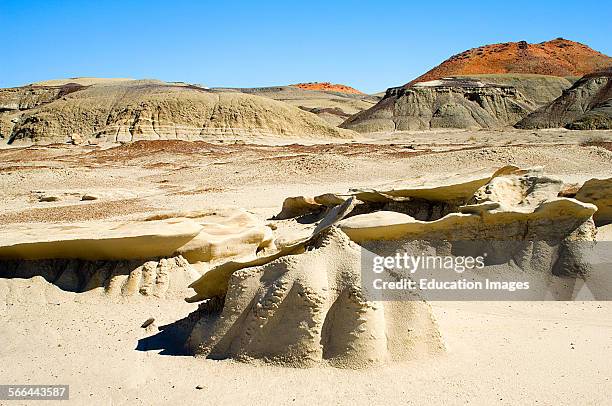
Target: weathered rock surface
x=132, y=257
x=97, y=240
x=199, y=237
x=28, y=97
x=161, y=278
x=599, y=193
x=446, y=103
x=303, y=309
x=539, y=89
x=306, y=303
x=145, y=109
x=587, y=105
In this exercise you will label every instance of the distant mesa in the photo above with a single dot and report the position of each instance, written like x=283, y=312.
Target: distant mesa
x=559, y=57
x=326, y=86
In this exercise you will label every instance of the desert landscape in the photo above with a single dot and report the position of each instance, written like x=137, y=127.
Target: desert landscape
x=171, y=242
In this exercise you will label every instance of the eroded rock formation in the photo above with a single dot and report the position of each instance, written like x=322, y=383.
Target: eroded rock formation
x=281, y=307
x=158, y=256
x=161, y=278
x=598, y=192
x=445, y=103
x=302, y=309
x=305, y=300
x=587, y=105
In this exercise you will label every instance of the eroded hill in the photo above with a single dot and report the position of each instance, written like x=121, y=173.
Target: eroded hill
x=492, y=86
x=558, y=57
x=448, y=103
x=327, y=86
x=147, y=109
x=587, y=105
x=331, y=105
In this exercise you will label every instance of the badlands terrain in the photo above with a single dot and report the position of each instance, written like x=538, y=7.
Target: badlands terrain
x=168, y=242
x=88, y=333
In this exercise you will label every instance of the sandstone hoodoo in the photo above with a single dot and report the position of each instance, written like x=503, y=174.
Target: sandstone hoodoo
x=558, y=57
x=587, y=105
x=446, y=103
x=146, y=109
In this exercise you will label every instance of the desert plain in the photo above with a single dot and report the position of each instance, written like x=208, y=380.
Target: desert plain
x=497, y=352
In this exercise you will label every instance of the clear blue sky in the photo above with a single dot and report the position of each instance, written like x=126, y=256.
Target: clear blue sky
x=369, y=45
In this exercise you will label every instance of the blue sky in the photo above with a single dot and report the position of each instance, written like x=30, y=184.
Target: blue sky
x=370, y=45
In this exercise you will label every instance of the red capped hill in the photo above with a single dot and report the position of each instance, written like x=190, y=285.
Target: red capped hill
x=559, y=57
x=326, y=86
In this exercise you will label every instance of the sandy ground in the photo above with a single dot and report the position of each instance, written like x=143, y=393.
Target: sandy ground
x=499, y=353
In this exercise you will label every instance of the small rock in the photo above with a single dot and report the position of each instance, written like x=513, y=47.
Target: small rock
x=76, y=139
x=49, y=198
x=89, y=197
x=199, y=387
x=147, y=323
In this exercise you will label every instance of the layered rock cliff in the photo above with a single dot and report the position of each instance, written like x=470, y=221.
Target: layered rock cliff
x=446, y=103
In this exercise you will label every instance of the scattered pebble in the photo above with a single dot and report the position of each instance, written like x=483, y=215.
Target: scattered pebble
x=49, y=198
x=147, y=323
x=89, y=197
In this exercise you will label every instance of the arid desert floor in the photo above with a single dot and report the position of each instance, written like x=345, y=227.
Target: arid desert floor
x=553, y=353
